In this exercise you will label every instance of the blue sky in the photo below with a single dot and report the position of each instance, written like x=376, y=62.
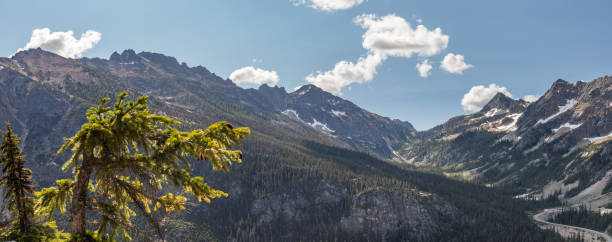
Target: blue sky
x=521, y=45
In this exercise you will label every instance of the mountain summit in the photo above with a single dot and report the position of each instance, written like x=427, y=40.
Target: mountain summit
x=502, y=102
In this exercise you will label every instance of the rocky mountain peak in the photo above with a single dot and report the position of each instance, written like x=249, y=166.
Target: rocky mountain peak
x=160, y=59
x=45, y=66
x=308, y=89
x=560, y=83
x=267, y=88
x=201, y=70
x=563, y=89
x=38, y=55
x=316, y=95
x=127, y=56
x=343, y=119
x=602, y=82
x=503, y=102
x=276, y=95
x=34, y=53
x=561, y=96
x=405, y=124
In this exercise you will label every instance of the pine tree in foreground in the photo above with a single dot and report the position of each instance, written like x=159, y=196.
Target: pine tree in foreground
x=17, y=181
x=124, y=158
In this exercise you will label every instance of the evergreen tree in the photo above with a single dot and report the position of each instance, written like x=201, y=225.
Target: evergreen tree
x=124, y=158
x=18, y=181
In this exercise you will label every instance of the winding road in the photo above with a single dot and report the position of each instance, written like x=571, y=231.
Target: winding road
x=569, y=230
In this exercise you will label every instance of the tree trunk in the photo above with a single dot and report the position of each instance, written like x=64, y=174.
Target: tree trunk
x=79, y=199
x=21, y=207
x=23, y=216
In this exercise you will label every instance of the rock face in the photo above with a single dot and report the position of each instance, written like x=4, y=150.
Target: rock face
x=382, y=213
x=375, y=212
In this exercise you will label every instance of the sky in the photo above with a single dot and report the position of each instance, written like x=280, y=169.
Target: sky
x=418, y=61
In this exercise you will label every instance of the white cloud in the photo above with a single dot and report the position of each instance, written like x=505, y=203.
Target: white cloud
x=253, y=75
x=329, y=5
x=424, y=68
x=391, y=35
x=388, y=36
x=479, y=96
x=62, y=43
x=345, y=73
x=531, y=98
x=454, y=64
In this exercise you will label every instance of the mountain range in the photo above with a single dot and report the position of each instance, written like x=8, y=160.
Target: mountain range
x=319, y=167
x=557, y=145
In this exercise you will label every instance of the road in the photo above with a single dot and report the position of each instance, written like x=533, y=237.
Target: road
x=567, y=230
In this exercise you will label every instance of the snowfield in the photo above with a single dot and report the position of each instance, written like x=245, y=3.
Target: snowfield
x=562, y=109
x=321, y=126
x=567, y=125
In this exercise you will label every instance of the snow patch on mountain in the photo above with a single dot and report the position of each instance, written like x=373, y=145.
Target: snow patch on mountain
x=320, y=126
x=315, y=123
x=528, y=196
x=338, y=114
x=498, y=126
x=292, y=114
x=304, y=91
x=562, y=109
x=567, y=125
x=333, y=102
x=511, y=126
x=564, y=128
x=494, y=112
x=595, y=139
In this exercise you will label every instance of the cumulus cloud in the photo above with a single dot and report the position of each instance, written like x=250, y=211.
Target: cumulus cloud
x=62, y=43
x=387, y=36
x=329, y=5
x=391, y=35
x=345, y=73
x=479, y=96
x=424, y=68
x=531, y=98
x=454, y=64
x=253, y=75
